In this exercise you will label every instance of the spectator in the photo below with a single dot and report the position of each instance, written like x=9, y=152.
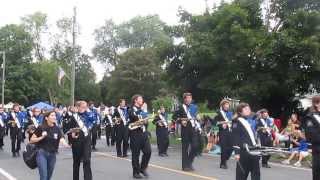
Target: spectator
x=299, y=148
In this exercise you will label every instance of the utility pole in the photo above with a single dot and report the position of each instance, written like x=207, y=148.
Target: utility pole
x=73, y=71
x=3, y=75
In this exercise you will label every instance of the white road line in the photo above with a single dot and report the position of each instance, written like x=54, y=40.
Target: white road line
x=162, y=167
x=6, y=174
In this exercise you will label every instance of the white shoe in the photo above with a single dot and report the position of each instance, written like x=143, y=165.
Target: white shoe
x=287, y=162
x=297, y=164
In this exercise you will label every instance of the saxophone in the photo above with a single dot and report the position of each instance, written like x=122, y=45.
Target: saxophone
x=140, y=123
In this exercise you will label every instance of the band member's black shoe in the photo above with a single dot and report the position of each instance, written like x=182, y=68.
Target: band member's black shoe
x=145, y=173
x=266, y=166
x=118, y=155
x=161, y=155
x=125, y=155
x=187, y=169
x=137, y=176
x=166, y=154
x=1, y=148
x=223, y=166
x=13, y=154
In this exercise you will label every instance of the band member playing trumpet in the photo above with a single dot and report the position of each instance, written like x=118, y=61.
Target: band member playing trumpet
x=264, y=133
x=139, y=139
x=3, y=122
x=79, y=131
x=190, y=131
x=16, y=124
x=161, y=122
x=242, y=133
x=224, y=119
x=121, y=117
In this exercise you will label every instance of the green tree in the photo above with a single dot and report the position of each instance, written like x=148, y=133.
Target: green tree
x=136, y=73
x=36, y=25
x=230, y=53
x=139, y=32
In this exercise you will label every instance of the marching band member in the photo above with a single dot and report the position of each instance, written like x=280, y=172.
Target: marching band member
x=16, y=124
x=242, y=133
x=264, y=134
x=224, y=118
x=94, y=130
x=3, y=122
x=80, y=136
x=161, y=122
x=312, y=128
x=139, y=139
x=121, y=127
x=190, y=131
x=108, y=126
x=35, y=120
x=58, y=116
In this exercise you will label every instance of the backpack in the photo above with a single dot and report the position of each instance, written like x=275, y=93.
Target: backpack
x=30, y=155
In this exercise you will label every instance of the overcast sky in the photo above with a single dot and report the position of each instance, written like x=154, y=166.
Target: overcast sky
x=92, y=13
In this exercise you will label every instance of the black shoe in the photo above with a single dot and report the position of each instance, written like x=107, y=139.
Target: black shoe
x=145, y=173
x=161, y=155
x=165, y=154
x=13, y=154
x=1, y=148
x=118, y=155
x=266, y=166
x=125, y=155
x=137, y=176
x=187, y=169
x=223, y=166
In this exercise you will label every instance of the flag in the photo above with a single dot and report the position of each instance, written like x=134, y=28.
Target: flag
x=61, y=74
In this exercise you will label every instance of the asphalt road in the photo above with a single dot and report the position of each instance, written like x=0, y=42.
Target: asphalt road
x=105, y=166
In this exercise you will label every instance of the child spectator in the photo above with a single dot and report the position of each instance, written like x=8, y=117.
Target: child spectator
x=299, y=148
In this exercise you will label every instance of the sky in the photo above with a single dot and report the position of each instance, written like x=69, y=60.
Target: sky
x=91, y=14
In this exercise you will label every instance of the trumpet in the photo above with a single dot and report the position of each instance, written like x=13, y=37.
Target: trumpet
x=184, y=121
x=117, y=120
x=224, y=122
x=74, y=130
x=137, y=124
x=13, y=123
x=162, y=122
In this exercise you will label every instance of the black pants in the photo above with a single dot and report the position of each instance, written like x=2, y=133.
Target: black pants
x=162, y=139
x=2, y=134
x=81, y=152
x=108, y=130
x=113, y=136
x=99, y=131
x=316, y=162
x=248, y=164
x=139, y=141
x=226, y=145
x=16, y=136
x=122, y=138
x=94, y=135
x=265, y=140
x=190, y=147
